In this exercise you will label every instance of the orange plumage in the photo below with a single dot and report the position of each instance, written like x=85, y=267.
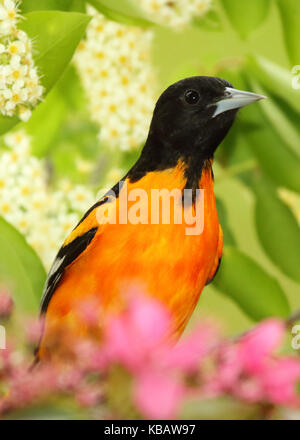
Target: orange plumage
x=161, y=259
x=99, y=263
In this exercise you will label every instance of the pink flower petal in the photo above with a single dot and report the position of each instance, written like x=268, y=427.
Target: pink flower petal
x=135, y=336
x=188, y=353
x=280, y=381
x=158, y=396
x=150, y=319
x=228, y=367
x=258, y=344
x=6, y=304
x=34, y=330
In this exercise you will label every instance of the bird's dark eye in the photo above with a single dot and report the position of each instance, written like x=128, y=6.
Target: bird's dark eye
x=192, y=96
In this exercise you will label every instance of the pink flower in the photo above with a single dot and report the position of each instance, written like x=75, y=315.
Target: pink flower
x=88, y=396
x=27, y=386
x=69, y=379
x=280, y=381
x=228, y=368
x=251, y=371
x=249, y=389
x=188, y=354
x=255, y=347
x=132, y=337
x=162, y=373
x=34, y=330
x=6, y=362
x=138, y=339
x=89, y=356
x=88, y=310
x=158, y=395
x=6, y=304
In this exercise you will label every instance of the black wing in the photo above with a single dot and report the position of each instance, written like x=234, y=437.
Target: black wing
x=66, y=255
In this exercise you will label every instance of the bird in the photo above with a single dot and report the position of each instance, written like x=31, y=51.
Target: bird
x=101, y=260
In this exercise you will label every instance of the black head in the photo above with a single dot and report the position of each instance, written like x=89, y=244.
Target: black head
x=190, y=120
x=183, y=116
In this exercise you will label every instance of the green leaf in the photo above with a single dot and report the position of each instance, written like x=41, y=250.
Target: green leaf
x=77, y=6
x=228, y=237
x=48, y=5
x=278, y=230
x=288, y=112
x=275, y=147
x=7, y=123
x=246, y=16
x=277, y=161
x=56, y=35
x=76, y=140
x=211, y=21
x=71, y=90
x=20, y=268
x=45, y=123
x=288, y=130
x=121, y=12
x=257, y=293
x=40, y=5
x=276, y=78
x=290, y=12
x=275, y=157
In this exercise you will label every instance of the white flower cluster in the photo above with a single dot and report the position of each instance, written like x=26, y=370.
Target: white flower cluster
x=43, y=215
x=115, y=68
x=174, y=13
x=20, y=89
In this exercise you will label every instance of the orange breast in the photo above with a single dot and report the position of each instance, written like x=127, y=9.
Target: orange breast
x=161, y=259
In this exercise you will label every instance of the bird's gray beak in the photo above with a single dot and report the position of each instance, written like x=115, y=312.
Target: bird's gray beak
x=235, y=99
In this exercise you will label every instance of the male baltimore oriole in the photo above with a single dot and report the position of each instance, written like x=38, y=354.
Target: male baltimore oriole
x=100, y=262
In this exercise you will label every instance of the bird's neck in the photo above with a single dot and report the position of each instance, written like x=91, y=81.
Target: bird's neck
x=158, y=157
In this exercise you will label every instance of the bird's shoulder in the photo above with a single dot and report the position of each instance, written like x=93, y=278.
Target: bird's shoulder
x=73, y=247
